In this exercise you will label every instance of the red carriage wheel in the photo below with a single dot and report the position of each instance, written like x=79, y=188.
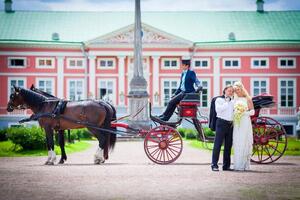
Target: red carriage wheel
x=163, y=144
x=269, y=140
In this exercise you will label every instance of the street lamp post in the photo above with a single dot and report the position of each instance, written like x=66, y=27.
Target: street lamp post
x=138, y=96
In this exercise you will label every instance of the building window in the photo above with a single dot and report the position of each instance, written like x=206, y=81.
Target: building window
x=44, y=63
x=287, y=62
x=169, y=88
x=259, y=63
x=46, y=85
x=106, y=63
x=232, y=63
x=230, y=81
x=202, y=63
x=16, y=62
x=106, y=90
x=18, y=82
x=75, y=63
x=260, y=86
x=287, y=93
x=75, y=89
x=170, y=63
x=204, y=95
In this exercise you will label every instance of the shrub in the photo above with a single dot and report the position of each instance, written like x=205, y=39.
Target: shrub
x=190, y=134
x=3, y=135
x=83, y=133
x=208, y=132
x=181, y=131
x=28, y=138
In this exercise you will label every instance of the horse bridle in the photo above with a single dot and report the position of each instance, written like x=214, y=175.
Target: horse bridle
x=19, y=107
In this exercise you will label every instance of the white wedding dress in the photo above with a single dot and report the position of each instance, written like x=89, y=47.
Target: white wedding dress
x=242, y=138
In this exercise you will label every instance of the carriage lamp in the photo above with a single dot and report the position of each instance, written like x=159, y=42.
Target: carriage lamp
x=122, y=96
x=156, y=95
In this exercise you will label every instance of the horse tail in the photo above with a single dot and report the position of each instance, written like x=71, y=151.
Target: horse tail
x=113, y=137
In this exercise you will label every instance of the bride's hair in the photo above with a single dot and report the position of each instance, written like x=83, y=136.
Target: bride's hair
x=242, y=88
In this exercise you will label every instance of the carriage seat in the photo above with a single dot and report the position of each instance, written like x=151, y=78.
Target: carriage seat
x=188, y=106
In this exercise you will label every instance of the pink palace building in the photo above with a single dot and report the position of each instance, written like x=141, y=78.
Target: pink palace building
x=75, y=55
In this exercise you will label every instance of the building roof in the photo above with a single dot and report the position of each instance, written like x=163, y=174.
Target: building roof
x=198, y=26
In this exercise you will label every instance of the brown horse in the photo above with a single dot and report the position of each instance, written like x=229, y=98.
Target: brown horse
x=78, y=114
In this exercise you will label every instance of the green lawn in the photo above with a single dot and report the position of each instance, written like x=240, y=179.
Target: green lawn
x=293, y=146
x=8, y=149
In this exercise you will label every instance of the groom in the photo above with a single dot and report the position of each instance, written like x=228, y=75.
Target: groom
x=224, y=128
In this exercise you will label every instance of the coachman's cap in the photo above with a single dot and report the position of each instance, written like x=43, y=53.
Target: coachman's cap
x=186, y=62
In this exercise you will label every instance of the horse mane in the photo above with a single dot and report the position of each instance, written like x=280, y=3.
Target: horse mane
x=45, y=94
x=32, y=98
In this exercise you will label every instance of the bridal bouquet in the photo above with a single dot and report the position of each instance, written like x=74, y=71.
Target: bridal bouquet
x=239, y=110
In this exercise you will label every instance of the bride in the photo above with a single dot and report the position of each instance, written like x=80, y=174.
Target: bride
x=242, y=129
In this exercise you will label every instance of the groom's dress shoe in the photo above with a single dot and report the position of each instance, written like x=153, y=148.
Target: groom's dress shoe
x=214, y=168
x=227, y=169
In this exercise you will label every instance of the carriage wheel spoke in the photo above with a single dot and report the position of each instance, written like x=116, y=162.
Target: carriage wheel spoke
x=168, y=153
x=275, y=149
x=268, y=152
x=154, y=152
x=174, y=150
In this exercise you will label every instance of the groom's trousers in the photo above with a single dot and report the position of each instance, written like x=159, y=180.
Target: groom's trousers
x=224, y=131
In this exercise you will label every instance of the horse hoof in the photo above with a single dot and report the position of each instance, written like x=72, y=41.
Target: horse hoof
x=46, y=163
x=61, y=162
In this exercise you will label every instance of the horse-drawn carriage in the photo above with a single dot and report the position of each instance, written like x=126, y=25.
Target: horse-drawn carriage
x=162, y=144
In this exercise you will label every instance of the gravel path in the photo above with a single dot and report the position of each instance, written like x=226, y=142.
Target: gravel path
x=130, y=175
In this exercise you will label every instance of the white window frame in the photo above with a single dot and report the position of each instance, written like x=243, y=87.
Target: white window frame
x=83, y=86
x=231, y=60
x=11, y=79
x=11, y=58
x=286, y=58
x=47, y=79
x=279, y=91
x=259, y=59
x=208, y=92
x=106, y=59
x=229, y=79
x=260, y=79
x=114, y=92
x=37, y=63
x=162, y=96
x=201, y=60
x=75, y=59
x=170, y=59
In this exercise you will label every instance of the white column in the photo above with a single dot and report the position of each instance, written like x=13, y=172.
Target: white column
x=92, y=77
x=121, y=92
x=60, y=76
x=216, y=76
x=155, y=80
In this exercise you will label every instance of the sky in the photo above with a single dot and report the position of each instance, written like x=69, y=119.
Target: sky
x=152, y=5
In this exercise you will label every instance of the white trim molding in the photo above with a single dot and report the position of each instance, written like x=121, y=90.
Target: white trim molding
x=106, y=61
x=45, y=66
x=114, y=88
x=201, y=61
x=294, y=92
x=231, y=60
x=17, y=66
x=259, y=80
x=260, y=60
x=171, y=60
x=286, y=59
x=38, y=79
x=76, y=61
x=83, y=95
x=232, y=80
